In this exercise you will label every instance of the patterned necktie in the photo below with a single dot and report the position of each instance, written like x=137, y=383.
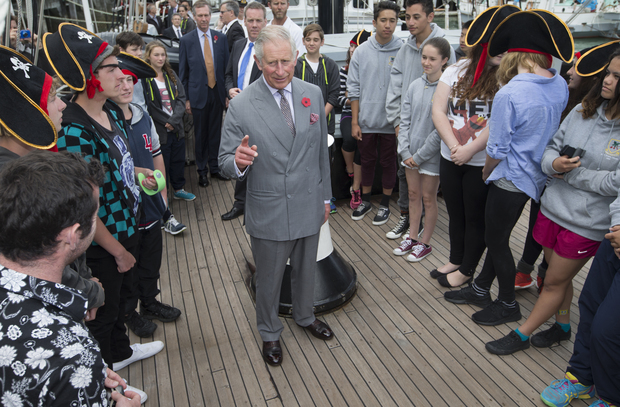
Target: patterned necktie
x=244, y=66
x=209, y=63
x=286, y=111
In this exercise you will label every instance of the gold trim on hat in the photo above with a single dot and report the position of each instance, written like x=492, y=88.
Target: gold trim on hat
x=484, y=13
x=590, y=51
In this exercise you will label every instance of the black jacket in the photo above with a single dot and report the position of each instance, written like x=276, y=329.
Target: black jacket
x=234, y=33
x=232, y=70
x=159, y=116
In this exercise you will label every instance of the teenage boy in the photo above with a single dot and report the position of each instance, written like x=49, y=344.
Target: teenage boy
x=369, y=77
x=463, y=49
x=145, y=150
x=312, y=67
x=132, y=44
x=407, y=68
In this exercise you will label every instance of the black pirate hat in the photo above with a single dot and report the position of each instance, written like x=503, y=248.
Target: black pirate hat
x=23, y=105
x=75, y=53
x=595, y=60
x=482, y=27
x=360, y=38
x=538, y=31
x=135, y=67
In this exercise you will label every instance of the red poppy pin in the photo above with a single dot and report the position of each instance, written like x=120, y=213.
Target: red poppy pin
x=214, y=39
x=305, y=102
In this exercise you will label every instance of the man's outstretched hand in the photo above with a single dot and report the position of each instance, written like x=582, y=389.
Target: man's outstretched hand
x=244, y=155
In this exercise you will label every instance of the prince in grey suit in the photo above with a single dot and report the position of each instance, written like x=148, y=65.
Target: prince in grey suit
x=288, y=182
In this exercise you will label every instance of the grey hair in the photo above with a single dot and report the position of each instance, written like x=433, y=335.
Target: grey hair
x=232, y=6
x=273, y=33
x=257, y=5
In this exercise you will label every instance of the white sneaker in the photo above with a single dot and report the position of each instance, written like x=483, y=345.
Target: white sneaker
x=140, y=351
x=143, y=396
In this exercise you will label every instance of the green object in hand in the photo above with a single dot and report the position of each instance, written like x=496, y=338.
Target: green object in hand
x=158, y=177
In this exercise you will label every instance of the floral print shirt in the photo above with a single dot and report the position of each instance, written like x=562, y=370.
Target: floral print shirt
x=47, y=355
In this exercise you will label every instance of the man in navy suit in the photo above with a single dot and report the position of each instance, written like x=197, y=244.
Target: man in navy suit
x=202, y=75
x=154, y=19
x=242, y=61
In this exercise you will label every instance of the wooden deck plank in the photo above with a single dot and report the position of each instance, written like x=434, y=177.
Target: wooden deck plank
x=398, y=343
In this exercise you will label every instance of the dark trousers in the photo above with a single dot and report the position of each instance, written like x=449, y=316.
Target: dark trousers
x=174, y=160
x=109, y=325
x=207, y=133
x=146, y=271
x=503, y=210
x=387, y=159
x=240, y=188
x=465, y=194
x=596, y=354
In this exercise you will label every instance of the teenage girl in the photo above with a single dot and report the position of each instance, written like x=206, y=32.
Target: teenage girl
x=422, y=171
x=574, y=214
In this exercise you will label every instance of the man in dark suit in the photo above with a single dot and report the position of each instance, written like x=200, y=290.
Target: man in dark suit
x=203, y=56
x=289, y=188
x=242, y=60
x=173, y=7
x=229, y=10
x=174, y=32
x=154, y=19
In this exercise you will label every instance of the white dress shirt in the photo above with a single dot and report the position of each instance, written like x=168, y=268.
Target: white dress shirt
x=248, y=70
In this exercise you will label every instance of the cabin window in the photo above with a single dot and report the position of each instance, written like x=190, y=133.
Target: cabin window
x=360, y=3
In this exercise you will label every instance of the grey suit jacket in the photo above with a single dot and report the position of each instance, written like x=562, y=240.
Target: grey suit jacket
x=289, y=181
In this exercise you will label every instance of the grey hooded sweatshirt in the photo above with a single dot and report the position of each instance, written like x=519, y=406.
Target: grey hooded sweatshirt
x=580, y=201
x=369, y=77
x=407, y=68
x=417, y=124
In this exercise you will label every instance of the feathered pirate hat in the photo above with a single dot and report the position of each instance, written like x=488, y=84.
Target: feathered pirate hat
x=595, y=59
x=136, y=67
x=75, y=53
x=482, y=28
x=537, y=31
x=23, y=105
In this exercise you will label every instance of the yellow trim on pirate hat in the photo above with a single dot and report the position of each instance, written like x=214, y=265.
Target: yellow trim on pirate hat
x=533, y=31
x=483, y=26
x=596, y=59
x=25, y=90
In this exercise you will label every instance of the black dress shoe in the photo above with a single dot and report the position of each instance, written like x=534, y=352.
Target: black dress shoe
x=235, y=212
x=219, y=176
x=436, y=273
x=443, y=281
x=272, y=353
x=320, y=330
x=203, y=181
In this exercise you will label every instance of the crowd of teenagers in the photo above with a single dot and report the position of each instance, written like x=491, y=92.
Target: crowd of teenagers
x=495, y=129
x=491, y=124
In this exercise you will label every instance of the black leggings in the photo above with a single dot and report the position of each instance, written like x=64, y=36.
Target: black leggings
x=349, y=144
x=465, y=194
x=532, y=249
x=502, y=213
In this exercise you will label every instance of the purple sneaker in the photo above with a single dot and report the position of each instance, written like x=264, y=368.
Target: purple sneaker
x=405, y=247
x=419, y=252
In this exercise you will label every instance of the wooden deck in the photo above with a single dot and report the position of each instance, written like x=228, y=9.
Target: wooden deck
x=398, y=342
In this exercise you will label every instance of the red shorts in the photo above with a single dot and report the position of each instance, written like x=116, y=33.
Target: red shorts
x=564, y=242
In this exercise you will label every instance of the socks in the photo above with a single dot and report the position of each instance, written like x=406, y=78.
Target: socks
x=479, y=291
x=366, y=197
x=565, y=327
x=511, y=304
x=385, y=200
x=404, y=212
x=523, y=337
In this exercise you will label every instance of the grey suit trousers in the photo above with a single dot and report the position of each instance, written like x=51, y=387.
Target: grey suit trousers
x=270, y=257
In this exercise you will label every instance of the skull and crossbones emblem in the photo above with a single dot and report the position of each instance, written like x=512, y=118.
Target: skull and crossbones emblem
x=17, y=65
x=83, y=36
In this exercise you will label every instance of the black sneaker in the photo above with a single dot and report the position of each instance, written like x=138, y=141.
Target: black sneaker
x=546, y=338
x=140, y=325
x=361, y=211
x=157, y=310
x=400, y=228
x=507, y=345
x=382, y=216
x=467, y=295
x=497, y=313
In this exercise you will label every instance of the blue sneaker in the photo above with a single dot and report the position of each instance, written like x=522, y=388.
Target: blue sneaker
x=183, y=194
x=332, y=206
x=561, y=392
